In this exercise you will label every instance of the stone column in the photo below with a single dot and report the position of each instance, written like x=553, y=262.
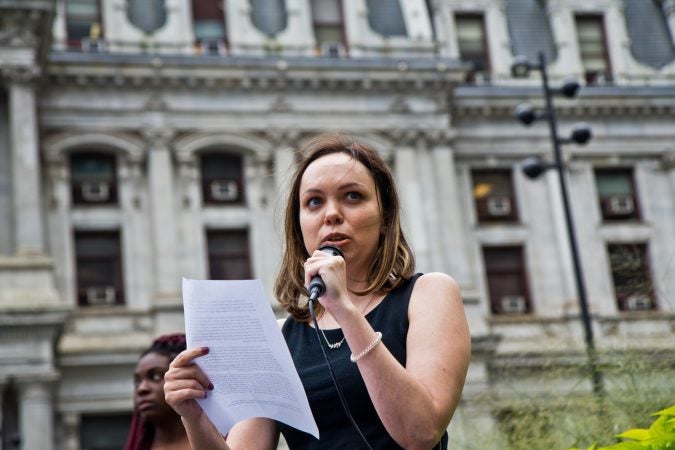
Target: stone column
x=26, y=190
x=35, y=415
x=192, y=263
x=568, y=62
x=163, y=216
x=451, y=238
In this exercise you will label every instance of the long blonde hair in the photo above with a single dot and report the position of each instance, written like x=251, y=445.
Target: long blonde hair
x=394, y=261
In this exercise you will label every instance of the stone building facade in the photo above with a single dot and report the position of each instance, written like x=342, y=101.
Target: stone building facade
x=142, y=142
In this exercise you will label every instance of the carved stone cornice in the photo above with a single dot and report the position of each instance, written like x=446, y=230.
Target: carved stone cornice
x=624, y=101
x=260, y=74
x=429, y=138
x=23, y=25
x=20, y=75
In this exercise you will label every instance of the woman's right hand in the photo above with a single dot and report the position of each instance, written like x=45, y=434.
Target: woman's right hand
x=184, y=382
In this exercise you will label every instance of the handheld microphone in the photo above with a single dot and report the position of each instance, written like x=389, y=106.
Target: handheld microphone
x=316, y=285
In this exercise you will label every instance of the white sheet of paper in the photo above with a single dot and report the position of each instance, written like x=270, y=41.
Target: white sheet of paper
x=248, y=363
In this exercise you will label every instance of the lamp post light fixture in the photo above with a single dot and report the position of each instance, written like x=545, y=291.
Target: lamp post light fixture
x=533, y=167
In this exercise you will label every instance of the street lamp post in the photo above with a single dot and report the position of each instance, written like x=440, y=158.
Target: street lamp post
x=534, y=166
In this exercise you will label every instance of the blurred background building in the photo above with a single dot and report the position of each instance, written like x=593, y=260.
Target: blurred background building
x=142, y=141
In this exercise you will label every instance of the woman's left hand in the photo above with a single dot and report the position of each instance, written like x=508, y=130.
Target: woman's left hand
x=332, y=270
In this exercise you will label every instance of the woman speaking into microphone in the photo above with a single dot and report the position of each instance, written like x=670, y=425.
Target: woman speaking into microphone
x=383, y=352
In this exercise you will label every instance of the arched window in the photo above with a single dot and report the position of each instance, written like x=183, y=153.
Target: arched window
x=93, y=178
x=222, y=178
x=385, y=17
x=269, y=16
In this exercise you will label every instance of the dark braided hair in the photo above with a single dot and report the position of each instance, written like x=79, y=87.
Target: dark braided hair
x=141, y=432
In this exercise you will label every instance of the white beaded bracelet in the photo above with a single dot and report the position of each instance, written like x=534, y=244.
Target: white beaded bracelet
x=372, y=345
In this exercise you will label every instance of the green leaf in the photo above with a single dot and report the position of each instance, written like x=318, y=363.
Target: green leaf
x=670, y=411
x=637, y=434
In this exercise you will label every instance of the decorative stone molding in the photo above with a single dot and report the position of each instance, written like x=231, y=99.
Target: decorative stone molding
x=262, y=74
x=56, y=147
x=24, y=27
x=20, y=75
x=187, y=147
x=428, y=137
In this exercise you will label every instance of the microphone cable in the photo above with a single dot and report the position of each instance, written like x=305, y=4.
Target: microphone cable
x=341, y=396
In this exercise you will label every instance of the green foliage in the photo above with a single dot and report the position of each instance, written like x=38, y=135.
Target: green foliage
x=659, y=436
x=549, y=406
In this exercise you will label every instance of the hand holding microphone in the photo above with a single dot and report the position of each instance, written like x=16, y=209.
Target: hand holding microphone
x=316, y=285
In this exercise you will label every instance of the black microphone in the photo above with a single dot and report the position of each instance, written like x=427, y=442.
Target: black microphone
x=316, y=285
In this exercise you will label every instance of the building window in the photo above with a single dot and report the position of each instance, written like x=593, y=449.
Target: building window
x=385, y=17
x=494, y=197
x=222, y=180
x=631, y=276
x=616, y=194
x=507, y=280
x=229, y=256
x=99, y=268
x=104, y=432
x=84, y=25
x=472, y=43
x=269, y=16
x=328, y=24
x=208, y=22
x=593, y=48
x=93, y=179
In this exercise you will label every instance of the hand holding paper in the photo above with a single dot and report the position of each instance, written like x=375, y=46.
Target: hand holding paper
x=249, y=363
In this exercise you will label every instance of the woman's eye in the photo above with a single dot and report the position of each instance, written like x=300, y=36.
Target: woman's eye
x=157, y=376
x=353, y=195
x=314, y=201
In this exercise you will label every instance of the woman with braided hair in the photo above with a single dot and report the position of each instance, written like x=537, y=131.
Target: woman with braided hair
x=154, y=424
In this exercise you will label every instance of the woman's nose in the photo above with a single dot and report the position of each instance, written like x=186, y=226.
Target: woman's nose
x=333, y=213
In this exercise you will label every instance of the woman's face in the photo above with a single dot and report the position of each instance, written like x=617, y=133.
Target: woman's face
x=149, y=387
x=339, y=206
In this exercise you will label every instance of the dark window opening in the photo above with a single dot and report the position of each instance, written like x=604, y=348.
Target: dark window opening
x=328, y=24
x=99, y=268
x=473, y=48
x=631, y=276
x=593, y=48
x=222, y=178
x=209, y=25
x=494, y=196
x=93, y=179
x=507, y=280
x=84, y=25
x=229, y=254
x=616, y=194
x=104, y=432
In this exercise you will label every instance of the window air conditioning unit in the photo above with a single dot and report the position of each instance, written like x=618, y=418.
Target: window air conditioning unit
x=101, y=295
x=499, y=206
x=638, y=303
x=513, y=304
x=212, y=46
x=224, y=190
x=95, y=191
x=333, y=49
x=92, y=45
x=620, y=205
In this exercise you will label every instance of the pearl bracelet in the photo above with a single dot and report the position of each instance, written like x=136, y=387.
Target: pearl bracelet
x=372, y=345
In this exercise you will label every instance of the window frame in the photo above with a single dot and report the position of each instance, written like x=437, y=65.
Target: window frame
x=480, y=205
x=495, y=298
x=76, y=185
x=117, y=280
x=207, y=196
x=592, y=78
x=244, y=257
x=648, y=291
x=603, y=200
x=486, y=71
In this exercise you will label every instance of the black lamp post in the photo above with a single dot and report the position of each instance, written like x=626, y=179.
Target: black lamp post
x=533, y=167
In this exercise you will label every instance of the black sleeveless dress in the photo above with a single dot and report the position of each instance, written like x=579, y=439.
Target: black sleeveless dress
x=336, y=432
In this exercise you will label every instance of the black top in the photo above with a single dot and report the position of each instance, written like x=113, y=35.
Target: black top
x=336, y=432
